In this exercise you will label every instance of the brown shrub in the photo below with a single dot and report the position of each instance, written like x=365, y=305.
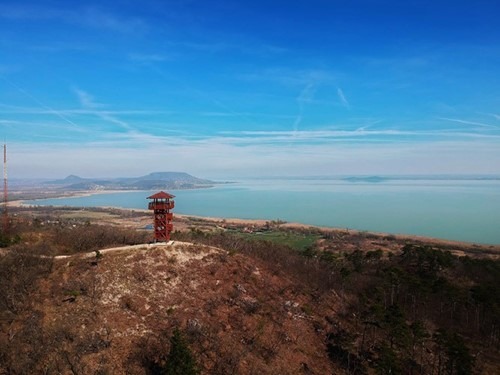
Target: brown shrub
x=87, y=238
x=139, y=273
x=19, y=272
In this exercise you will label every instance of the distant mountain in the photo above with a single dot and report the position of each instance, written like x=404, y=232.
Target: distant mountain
x=71, y=179
x=152, y=181
x=174, y=176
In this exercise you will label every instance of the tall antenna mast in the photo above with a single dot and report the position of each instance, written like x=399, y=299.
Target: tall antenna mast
x=5, y=192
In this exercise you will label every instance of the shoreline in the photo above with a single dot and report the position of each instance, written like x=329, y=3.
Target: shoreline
x=339, y=230
x=262, y=222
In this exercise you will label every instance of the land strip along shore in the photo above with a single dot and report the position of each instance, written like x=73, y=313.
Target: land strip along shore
x=363, y=239
x=458, y=248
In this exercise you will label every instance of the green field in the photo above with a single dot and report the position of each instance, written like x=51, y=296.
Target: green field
x=294, y=240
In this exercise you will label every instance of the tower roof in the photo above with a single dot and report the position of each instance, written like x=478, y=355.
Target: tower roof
x=161, y=195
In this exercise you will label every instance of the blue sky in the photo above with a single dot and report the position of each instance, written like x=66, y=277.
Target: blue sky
x=226, y=89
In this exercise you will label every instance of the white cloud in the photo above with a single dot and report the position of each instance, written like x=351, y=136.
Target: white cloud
x=135, y=153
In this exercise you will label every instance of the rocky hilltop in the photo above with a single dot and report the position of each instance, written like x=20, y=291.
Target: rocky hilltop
x=114, y=314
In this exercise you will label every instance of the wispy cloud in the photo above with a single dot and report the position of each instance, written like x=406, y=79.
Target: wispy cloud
x=88, y=103
x=248, y=114
x=368, y=125
x=207, y=158
x=87, y=17
x=127, y=131
x=291, y=77
x=97, y=18
x=322, y=136
x=201, y=94
x=4, y=69
x=37, y=101
x=10, y=109
x=241, y=45
x=305, y=96
x=58, y=46
x=342, y=98
x=466, y=122
x=399, y=62
x=86, y=100
x=148, y=58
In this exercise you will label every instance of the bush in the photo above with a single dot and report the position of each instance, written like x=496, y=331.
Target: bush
x=19, y=272
x=94, y=237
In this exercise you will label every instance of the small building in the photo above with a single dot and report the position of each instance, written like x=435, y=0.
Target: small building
x=161, y=205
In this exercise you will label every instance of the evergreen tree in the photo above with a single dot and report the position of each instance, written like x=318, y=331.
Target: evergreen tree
x=459, y=361
x=180, y=361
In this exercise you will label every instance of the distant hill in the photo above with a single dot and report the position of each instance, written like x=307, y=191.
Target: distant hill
x=71, y=179
x=173, y=176
x=152, y=181
x=370, y=179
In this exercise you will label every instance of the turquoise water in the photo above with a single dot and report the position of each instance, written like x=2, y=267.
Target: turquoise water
x=456, y=210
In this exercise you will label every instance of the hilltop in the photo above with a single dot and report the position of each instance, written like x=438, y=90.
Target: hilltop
x=247, y=297
x=116, y=314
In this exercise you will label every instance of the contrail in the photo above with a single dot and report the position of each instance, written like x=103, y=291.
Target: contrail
x=469, y=122
x=305, y=96
x=342, y=98
x=53, y=111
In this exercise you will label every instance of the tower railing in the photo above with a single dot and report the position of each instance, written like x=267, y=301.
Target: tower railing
x=161, y=205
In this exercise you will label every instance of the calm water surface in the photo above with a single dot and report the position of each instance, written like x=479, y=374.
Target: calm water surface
x=457, y=210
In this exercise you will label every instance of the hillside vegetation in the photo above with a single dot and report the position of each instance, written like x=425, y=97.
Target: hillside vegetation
x=225, y=303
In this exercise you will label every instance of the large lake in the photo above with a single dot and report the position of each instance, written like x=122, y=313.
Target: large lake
x=464, y=210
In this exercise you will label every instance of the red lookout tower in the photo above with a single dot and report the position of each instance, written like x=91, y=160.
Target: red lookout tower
x=161, y=205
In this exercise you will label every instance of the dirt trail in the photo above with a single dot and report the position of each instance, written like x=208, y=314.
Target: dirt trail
x=159, y=245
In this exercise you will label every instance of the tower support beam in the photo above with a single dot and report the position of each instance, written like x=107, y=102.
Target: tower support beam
x=5, y=216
